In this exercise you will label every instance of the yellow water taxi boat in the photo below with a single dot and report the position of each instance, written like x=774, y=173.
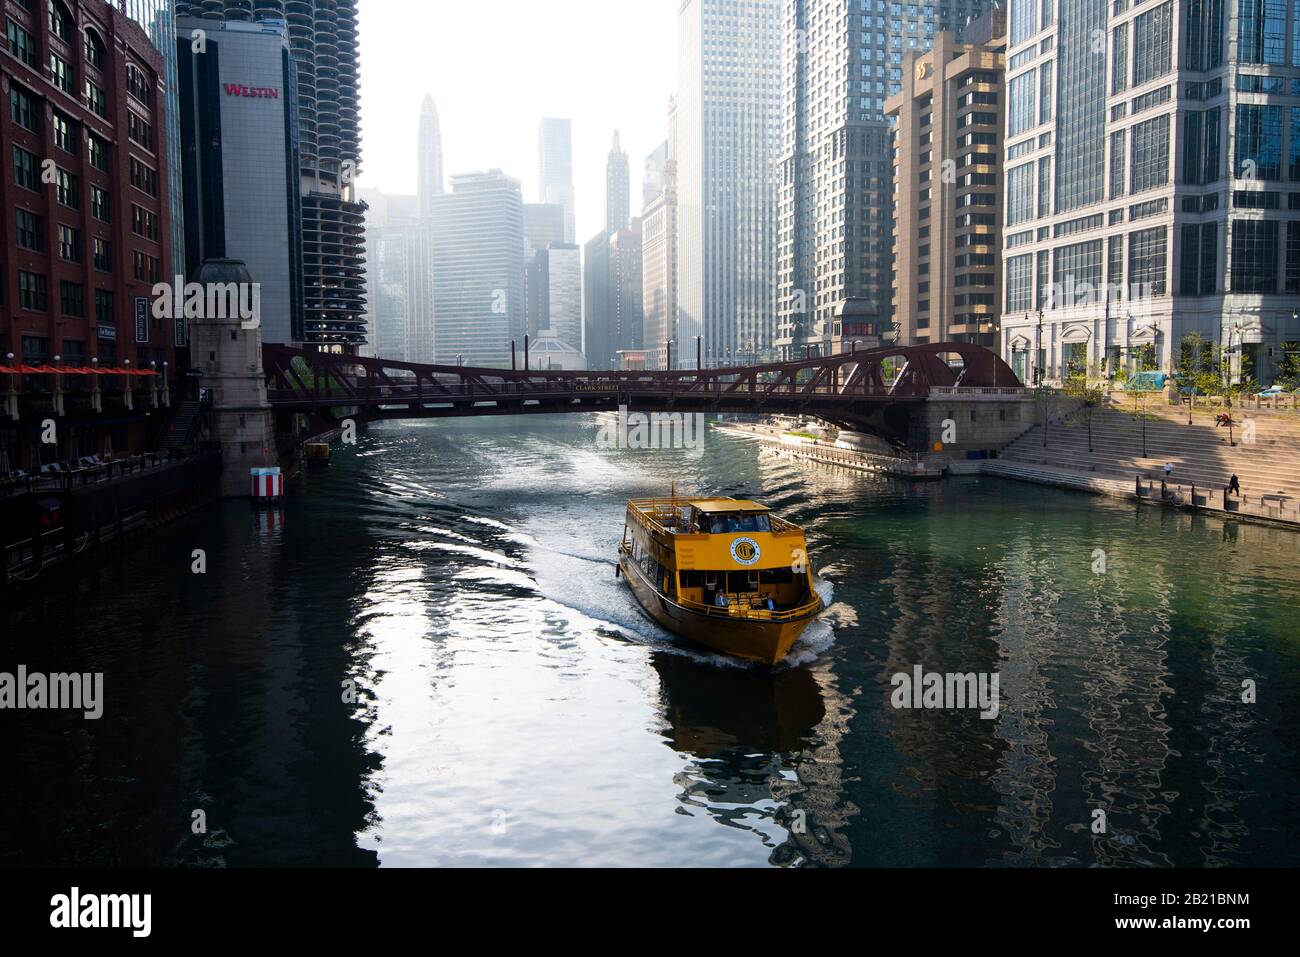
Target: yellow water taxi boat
x=723, y=572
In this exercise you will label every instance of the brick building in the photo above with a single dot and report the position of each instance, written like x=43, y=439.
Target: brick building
x=86, y=231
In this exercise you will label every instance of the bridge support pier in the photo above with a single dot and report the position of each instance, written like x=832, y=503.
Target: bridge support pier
x=230, y=357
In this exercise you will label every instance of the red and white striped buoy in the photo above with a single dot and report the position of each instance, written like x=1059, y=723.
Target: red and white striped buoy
x=268, y=485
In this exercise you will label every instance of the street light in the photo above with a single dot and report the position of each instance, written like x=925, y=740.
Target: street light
x=1039, y=372
x=1229, y=352
x=11, y=400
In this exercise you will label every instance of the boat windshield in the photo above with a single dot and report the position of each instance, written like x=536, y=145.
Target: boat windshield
x=741, y=522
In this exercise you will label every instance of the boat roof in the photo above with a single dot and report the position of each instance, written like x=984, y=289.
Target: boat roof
x=727, y=505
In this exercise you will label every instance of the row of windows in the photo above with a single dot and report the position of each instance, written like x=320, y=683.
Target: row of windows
x=1254, y=263
x=33, y=295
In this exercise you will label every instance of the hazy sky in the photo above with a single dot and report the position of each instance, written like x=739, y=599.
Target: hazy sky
x=496, y=68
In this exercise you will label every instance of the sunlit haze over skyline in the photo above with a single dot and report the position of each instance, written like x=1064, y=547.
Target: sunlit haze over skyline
x=495, y=70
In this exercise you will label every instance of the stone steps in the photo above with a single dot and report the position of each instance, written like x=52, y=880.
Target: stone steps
x=1200, y=453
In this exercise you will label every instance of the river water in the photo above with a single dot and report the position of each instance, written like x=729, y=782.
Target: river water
x=425, y=659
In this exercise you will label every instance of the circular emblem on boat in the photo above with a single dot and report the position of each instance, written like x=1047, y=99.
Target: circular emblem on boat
x=745, y=551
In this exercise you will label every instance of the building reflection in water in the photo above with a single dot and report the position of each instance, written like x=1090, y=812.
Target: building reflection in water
x=939, y=770
x=272, y=753
x=1120, y=692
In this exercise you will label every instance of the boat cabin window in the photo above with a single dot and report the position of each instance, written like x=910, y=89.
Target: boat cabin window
x=723, y=523
x=736, y=582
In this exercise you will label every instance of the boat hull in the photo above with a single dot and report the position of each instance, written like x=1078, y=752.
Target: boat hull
x=752, y=639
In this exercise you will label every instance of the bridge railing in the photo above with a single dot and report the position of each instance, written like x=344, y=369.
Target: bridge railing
x=961, y=390
x=427, y=394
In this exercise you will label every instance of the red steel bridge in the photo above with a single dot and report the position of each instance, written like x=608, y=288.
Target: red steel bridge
x=876, y=391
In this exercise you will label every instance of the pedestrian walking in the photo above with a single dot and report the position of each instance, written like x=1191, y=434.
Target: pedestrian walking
x=1234, y=485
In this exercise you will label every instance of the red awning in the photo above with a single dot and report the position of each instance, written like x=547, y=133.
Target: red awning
x=5, y=370
x=29, y=370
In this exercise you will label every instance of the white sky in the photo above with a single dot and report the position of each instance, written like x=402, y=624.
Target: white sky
x=496, y=67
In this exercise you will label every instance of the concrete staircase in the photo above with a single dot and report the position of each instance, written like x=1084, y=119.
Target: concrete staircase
x=1200, y=453
x=180, y=431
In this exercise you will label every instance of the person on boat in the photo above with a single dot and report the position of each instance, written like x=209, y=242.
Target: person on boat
x=720, y=600
x=771, y=605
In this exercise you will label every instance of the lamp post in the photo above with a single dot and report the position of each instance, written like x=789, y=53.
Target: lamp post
x=1039, y=372
x=11, y=398
x=58, y=386
x=699, y=353
x=1234, y=329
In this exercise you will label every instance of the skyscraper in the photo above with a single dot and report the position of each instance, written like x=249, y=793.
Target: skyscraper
x=834, y=207
x=597, y=304
x=652, y=177
x=728, y=135
x=627, y=315
x=947, y=157
x=555, y=169
x=429, y=160
x=559, y=282
x=478, y=269
x=618, y=189
x=659, y=258
x=399, y=278
x=237, y=113
x=544, y=225
x=323, y=43
x=387, y=305
x=1147, y=202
